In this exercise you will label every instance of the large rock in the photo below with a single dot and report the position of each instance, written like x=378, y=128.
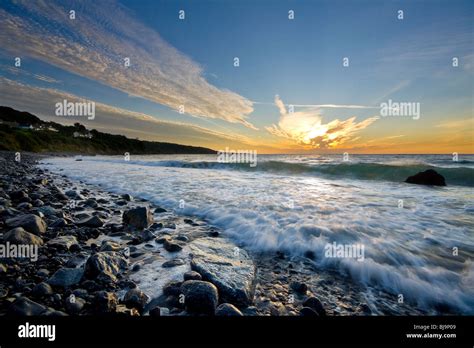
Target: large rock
x=20, y=236
x=93, y=221
x=428, y=177
x=65, y=277
x=25, y=307
x=63, y=242
x=29, y=222
x=227, y=267
x=140, y=217
x=200, y=297
x=110, y=263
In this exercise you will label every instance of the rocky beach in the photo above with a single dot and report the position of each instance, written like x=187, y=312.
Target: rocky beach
x=103, y=253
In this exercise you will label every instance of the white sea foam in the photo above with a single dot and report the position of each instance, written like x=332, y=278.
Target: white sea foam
x=408, y=250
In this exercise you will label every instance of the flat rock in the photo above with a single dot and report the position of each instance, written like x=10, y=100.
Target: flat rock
x=26, y=307
x=65, y=277
x=63, y=242
x=226, y=266
x=20, y=236
x=30, y=222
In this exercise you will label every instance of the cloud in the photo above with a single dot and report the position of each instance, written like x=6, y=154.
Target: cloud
x=306, y=128
x=95, y=45
x=110, y=119
x=23, y=72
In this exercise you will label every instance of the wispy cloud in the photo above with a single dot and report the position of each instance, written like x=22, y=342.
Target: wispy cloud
x=97, y=41
x=307, y=128
x=110, y=119
x=23, y=72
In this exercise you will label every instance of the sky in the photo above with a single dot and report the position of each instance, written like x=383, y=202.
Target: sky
x=312, y=83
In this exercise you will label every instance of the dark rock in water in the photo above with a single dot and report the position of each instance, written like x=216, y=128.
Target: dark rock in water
x=200, y=297
x=63, y=242
x=226, y=266
x=25, y=307
x=74, y=195
x=171, y=246
x=74, y=304
x=182, y=238
x=108, y=245
x=135, y=298
x=172, y=288
x=173, y=263
x=316, y=305
x=299, y=287
x=214, y=234
x=29, y=222
x=155, y=312
x=105, y=302
x=20, y=236
x=228, y=310
x=146, y=235
x=308, y=312
x=93, y=221
x=160, y=210
x=192, y=275
x=65, y=277
x=108, y=262
x=140, y=217
x=127, y=197
x=428, y=177
x=42, y=289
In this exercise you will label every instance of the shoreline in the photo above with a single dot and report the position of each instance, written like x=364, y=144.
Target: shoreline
x=115, y=268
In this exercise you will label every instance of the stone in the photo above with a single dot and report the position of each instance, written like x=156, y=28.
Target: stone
x=66, y=277
x=20, y=236
x=74, y=304
x=192, y=275
x=171, y=246
x=123, y=311
x=428, y=177
x=23, y=306
x=226, y=266
x=200, y=297
x=47, y=210
x=30, y=222
x=127, y=197
x=63, y=242
x=299, y=287
x=108, y=245
x=18, y=195
x=136, y=298
x=109, y=262
x=173, y=263
x=93, y=221
x=42, y=289
x=308, y=312
x=228, y=310
x=105, y=302
x=139, y=218
x=155, y=312
x=173, y=288
x=316, y=305
x=74, y=195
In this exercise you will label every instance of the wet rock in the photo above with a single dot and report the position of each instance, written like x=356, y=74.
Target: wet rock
x=74, y=304
x=140, y=217
x=24, y=206
x=66, y=277
x=93, y=221
x=159, y=210
x=192, y=275
x=228, y=310
x=428, y=177
x=42, y=289
x=58, y=223
x=105, y=262
x=200, y=297
x=105, y=302
x=316, y=305
x=74, y=195
x=20, y=236
x=226, y=266
x=299, y=287
x=30, y=222
x=136, y=298
x=127, y=197
x=171, y=246
x=47, y=210
x=173, y=263
x=23, y=306
x=63, y=242
x=172, y=288
x=308, y=312
x=108, y=245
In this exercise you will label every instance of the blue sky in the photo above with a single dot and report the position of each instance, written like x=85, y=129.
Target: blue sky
x=299, y=60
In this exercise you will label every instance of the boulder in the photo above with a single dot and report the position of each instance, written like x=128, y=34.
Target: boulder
x=140, y=217
x=30, y=222
x=65, y=277
x=200, y=297
x=20, y=236
x=428, y=177
x=110, y=263
x=228, y=310
x=63, y=242
x=226, y=266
